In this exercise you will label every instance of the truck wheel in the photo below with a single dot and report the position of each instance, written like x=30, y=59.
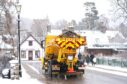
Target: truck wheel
x=50, y=68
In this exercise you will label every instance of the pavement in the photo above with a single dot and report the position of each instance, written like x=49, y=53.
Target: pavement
x=25, y=79
x=112, y=68
x=109, y=69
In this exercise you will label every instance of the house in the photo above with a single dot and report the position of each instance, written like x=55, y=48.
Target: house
x=30, y=49
x=100, y=43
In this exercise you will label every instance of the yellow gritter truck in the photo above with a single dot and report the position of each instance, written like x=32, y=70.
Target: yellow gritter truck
x=61, y=54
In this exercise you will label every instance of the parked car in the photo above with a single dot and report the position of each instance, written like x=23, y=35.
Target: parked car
x=6, y=73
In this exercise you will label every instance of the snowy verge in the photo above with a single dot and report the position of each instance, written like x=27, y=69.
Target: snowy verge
x=25, y=79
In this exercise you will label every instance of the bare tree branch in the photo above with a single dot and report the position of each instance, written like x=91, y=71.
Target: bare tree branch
x=120, y=8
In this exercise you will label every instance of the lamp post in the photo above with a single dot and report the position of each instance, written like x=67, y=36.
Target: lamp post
x=18, y=8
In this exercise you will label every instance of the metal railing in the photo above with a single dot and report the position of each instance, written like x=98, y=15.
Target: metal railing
x=120, y=62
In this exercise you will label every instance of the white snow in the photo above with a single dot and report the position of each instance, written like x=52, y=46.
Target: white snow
x=4, y=45
x=94, y=37
x=26, y=79
x=13, y=61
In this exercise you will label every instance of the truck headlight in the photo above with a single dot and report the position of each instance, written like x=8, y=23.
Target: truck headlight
x=70, y=57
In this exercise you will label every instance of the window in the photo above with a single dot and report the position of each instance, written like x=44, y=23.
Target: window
x=37, y=54
x=23, y=54
x=30, y=43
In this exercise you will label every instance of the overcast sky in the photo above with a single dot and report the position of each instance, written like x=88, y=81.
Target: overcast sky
x=59, y=9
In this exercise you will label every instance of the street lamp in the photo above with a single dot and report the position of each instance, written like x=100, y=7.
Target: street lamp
x=18, y=8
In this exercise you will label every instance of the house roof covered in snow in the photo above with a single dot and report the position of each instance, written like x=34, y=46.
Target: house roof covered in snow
x=97, y=39
x=94, y=37
x=4, y=45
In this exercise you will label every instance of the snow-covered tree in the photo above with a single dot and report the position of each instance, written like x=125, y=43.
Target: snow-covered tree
x=123, y=29
x=102, y=24
x=91, y=15
x=40, y=27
